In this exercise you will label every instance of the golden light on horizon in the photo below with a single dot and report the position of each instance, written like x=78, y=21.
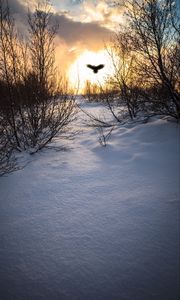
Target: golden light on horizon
x=79, y=73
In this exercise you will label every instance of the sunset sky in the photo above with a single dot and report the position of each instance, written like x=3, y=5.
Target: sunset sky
x=85, y=27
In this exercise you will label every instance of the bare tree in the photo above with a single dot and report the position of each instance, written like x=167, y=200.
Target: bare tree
x=9, y=68
x=155, y=38
x=7, y=159
x=41, y=45
x=50, y=108
x=124, y=80
x=37, y=105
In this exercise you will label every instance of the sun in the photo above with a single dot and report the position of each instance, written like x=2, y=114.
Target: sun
x=79, y=73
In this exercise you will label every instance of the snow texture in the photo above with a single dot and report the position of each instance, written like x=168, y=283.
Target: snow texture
x=94, y=222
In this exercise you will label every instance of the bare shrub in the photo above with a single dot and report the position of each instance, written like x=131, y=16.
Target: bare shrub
x=37, y=105
x=9, y=67
x=44, y=120
x=145, y=53
x=7, y=160
x=124, y=80
x=104, y=135
x=155, y=38
x=93, y=92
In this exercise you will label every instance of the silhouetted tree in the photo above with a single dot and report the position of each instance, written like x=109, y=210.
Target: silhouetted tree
x=156, y=41
x=7, y=159
x=125, y=80
x=10, y=65
x=49, y=107
x=37, y=105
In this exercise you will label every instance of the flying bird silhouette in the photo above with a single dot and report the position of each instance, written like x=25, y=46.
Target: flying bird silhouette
x=95, y=68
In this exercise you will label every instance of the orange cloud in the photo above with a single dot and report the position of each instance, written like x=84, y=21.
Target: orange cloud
x=87, y=27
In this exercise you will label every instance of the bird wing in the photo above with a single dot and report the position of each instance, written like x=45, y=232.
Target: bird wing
x=99, y=67
x=90, y=66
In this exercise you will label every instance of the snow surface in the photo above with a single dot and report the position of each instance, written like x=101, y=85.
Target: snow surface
x=94, y=222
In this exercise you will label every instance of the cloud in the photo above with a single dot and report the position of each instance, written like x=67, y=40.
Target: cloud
x=79, y=30
x=107, y=14
x=88, y=34
x=73, y=38
x=16, y=7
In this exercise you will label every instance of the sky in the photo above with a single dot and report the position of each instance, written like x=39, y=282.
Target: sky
x=85, y=27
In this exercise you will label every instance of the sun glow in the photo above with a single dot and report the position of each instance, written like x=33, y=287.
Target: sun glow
x=79, y=73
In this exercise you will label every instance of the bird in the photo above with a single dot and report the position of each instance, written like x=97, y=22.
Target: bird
x=95, y=68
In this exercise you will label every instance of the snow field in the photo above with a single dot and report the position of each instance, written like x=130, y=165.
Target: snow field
x=94, y=222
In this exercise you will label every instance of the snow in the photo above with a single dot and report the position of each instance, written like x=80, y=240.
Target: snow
x=94, y=222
